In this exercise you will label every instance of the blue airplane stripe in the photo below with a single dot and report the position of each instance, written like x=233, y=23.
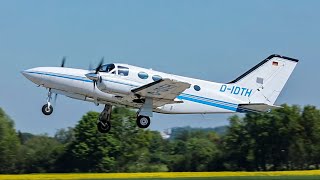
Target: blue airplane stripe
x=200, y=97
x=216, y=102
x=44, y=73
x=62, y=76
x=190, y=97
x=209, y=100
x=209, y=103
x=195, y=96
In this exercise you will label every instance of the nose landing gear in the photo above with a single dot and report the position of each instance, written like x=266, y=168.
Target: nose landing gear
x=47, y=109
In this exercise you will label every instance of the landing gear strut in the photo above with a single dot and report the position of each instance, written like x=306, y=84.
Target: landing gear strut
x=104, y=124
x=144, y=113
x=47, y=109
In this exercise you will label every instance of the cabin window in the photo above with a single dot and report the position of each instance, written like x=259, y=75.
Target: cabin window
x=123, y=71
x=143, y=75
x=156, y=77
x=107, y=68
x=196, y=87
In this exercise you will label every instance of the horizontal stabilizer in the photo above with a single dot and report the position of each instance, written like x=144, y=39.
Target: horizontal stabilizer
x=257, y=107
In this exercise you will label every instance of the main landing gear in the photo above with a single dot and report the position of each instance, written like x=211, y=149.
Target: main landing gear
x=143, y=117
x=47, y=109
x=144, y=114
x=104, y=123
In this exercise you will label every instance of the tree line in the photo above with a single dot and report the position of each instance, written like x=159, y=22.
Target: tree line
x=287, y=138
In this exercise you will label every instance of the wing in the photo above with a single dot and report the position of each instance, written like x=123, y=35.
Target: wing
x=163, y=91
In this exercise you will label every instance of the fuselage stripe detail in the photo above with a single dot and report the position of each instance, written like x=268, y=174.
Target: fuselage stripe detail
x=62, y=76
x=209, y=103
x=208, y=99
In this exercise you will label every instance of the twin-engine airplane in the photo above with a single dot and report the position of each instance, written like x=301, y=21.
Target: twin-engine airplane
x=151, y=91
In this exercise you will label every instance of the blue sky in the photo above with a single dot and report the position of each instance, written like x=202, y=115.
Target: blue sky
x=211, y=40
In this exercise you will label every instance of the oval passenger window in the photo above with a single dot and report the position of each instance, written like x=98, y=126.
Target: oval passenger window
x=143, y=75
x=156, y=77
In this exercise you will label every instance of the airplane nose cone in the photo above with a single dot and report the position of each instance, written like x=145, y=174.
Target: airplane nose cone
x=25, y=73
x=32, y=75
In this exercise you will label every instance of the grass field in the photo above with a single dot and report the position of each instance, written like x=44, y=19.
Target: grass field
x=281, y=175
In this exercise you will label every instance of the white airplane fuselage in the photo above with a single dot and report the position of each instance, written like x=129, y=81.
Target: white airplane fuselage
x=153, y=91
x=74, y=84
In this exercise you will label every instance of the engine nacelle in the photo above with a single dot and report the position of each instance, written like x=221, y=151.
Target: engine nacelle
x=116, y=85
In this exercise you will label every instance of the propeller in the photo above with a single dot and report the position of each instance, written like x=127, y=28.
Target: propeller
x=97, y=71
x=94, y=76
x=100, y=64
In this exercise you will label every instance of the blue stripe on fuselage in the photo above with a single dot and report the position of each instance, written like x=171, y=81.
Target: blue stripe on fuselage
x=66, y=76
x=208, y=103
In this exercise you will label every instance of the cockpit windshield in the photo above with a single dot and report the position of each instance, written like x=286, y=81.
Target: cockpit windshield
x=107, y=68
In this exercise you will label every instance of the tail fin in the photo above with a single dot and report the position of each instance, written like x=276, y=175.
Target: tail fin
x=266, y=79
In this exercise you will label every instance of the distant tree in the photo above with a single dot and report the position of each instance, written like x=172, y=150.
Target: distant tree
x=310, y=136
x=265, y=141
x=237, y=145
x=90, y=149
x=193, y=150
x=24, y=137
x=65, y=136
x=9, y=144
x=39, y=154
x=202, y=152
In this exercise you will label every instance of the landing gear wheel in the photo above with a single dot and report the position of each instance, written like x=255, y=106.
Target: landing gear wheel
x=104, y=127
x=47, y=110
x=143, y=121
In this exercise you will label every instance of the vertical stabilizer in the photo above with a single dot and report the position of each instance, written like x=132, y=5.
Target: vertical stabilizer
x=266, y=79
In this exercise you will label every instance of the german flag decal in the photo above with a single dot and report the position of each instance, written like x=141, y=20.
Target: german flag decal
x=275, y=63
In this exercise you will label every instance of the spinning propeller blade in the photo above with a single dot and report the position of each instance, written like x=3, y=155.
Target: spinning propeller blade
x=63, y=61
x=99, y=66
x=90, y=67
